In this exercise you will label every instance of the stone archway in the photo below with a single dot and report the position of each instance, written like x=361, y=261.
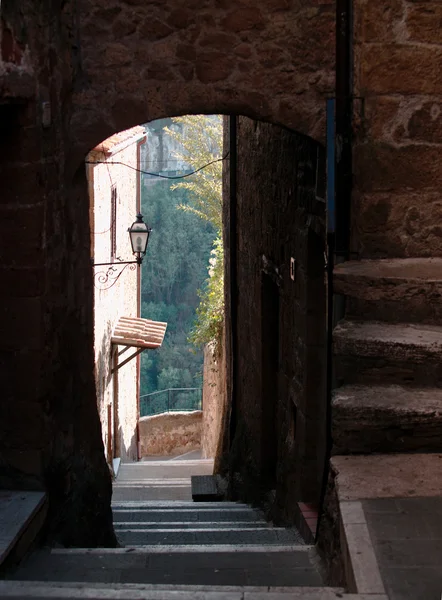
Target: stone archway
x=271, y=60
x=91, y=69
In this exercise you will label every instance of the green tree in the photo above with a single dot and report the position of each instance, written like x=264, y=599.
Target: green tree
x=200, y=138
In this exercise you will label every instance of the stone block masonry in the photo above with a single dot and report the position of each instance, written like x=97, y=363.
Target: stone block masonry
x=170, y=434
x=397, y=61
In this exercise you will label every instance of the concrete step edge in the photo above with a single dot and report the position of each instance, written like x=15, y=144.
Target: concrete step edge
x=186, y=548
x=179, y=505
x=19, y=589
x=199, y=529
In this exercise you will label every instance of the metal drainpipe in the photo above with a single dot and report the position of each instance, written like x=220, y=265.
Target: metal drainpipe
x=344, y=108
x=233, y=158
x=338, y=235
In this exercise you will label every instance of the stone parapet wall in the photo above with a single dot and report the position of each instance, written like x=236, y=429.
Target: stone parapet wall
x=170, y=434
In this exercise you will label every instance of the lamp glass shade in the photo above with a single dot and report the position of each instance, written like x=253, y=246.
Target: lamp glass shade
x=139, y=236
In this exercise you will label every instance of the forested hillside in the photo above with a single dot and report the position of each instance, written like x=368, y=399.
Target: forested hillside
x=174, y=269
x=185, y=217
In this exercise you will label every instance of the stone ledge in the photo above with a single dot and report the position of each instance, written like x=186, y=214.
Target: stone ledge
x=408, y=290
x=355, y=480
x=18, y=510
x=373, y=351
x=393, y=418
x=388, y=476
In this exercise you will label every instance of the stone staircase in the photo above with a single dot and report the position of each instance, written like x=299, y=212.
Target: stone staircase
x=178, y=550
x=390, y=362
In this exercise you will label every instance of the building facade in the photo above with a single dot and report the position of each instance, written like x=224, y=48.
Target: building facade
x=114, y=191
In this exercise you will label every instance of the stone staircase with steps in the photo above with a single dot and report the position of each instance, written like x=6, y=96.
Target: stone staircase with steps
x=388, y=366
x=178, y=550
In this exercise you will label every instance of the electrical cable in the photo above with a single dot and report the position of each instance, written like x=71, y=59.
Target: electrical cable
x=98, y=162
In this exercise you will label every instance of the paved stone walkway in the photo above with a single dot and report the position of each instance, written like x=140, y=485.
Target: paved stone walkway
x=407, y=538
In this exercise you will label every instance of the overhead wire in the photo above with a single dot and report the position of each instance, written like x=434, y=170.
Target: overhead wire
x=159, y=174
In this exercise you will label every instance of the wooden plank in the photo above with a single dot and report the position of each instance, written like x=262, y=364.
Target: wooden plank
x=139, y=327
x=135, y=343
x=125, y=335
x=146, y=321
x=16, y=512
x=131, y=332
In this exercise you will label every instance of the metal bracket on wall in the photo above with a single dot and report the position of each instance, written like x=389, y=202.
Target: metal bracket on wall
x=139, y=351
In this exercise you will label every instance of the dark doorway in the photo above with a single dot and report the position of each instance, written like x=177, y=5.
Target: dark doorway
x=270, y=370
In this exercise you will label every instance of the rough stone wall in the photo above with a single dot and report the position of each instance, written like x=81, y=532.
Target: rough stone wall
x=214, y=400
x=72, y=74
x=116, y=394
x=398, y=175
x=270, y=59
x=280, y=174
x=170, y=434
x=50, y=432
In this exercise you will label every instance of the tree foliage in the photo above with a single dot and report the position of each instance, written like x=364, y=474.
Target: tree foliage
x=201, y=140
x=173, y=270
x=175, y=285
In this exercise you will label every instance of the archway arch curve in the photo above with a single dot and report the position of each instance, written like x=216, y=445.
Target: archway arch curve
x=271, y=60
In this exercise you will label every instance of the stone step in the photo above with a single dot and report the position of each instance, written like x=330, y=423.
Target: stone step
x=165, y=525
x=293, y=567
x=376, y=352
x=279, y=536
x=394, y=290
x=383, y=419
x=164, y=470
x=203, y=515
x=145, y=492
x=58, y=591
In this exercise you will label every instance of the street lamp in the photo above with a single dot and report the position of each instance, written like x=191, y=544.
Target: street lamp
x=139, y=237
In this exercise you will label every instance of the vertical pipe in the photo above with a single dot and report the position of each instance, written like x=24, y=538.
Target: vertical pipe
x=340, y=190
x=343, y=126
x=331, y=235
x=233, y=156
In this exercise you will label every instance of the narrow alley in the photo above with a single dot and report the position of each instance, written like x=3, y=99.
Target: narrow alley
x=172, y=547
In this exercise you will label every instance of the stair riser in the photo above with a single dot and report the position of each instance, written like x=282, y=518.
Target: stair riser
x=366, y=432
x=260, y=536
x=392, y=290
x=388, y=369
x=197, y=517
x=416, y=310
